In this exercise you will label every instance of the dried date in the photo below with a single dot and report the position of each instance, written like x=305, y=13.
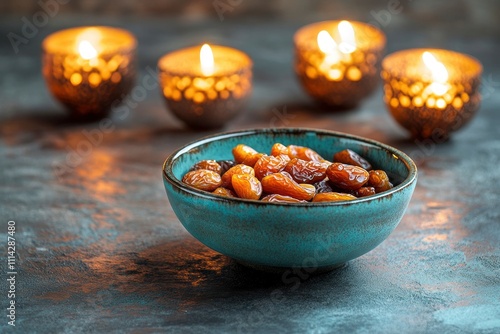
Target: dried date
x=276, y=198
x=241, y=151
x=283, y=184
x=295, y=151
x=364, y=191
x=209, y=165
x=303, y=171
x=203, y=179
x=379, y=180
x=226, y=165
x=351, y=158
x=238, y=169
x=270, y=164
x=333, y=197
x=323, y=186
x=246, y=186
x=346, y=177
x=224, y=192
x=251, y=159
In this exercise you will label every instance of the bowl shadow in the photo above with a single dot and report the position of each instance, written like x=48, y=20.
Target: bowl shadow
x=188, y=263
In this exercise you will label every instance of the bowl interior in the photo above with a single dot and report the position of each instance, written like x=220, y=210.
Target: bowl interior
x=397, y=165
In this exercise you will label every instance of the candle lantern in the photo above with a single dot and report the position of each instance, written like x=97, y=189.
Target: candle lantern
x=338, y=62
x=433, y=92
x=89, y=68
x=206, y=87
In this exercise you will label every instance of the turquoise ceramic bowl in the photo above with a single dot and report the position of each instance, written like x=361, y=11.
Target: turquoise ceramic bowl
x=270, y=235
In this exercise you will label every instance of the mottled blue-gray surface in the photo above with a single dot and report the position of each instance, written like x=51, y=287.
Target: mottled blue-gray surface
x=100, y=250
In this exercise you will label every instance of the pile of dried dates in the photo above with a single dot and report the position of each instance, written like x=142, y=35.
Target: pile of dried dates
x=291, y=174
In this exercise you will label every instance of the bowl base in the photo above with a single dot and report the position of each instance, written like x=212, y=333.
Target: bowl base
x=279, y=270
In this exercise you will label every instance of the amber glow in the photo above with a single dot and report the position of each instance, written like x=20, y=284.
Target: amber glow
x=207, y=60
x=439, y=74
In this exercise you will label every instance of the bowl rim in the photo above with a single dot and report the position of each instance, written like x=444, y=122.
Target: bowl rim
x=174, y=181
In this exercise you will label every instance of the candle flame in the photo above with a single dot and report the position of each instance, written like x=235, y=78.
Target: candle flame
x=438, y=72
x=207, y=60
x=88, y=42
x=87, y=50
x=326, y=43
x=328, y=46
x=347, y=37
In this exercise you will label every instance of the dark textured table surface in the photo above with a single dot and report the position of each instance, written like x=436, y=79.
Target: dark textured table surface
x=99, y=249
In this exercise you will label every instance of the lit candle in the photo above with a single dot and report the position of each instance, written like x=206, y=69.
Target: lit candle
x=431, y=92
x=337, y=62
x=89, y=68
x=206, y=87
